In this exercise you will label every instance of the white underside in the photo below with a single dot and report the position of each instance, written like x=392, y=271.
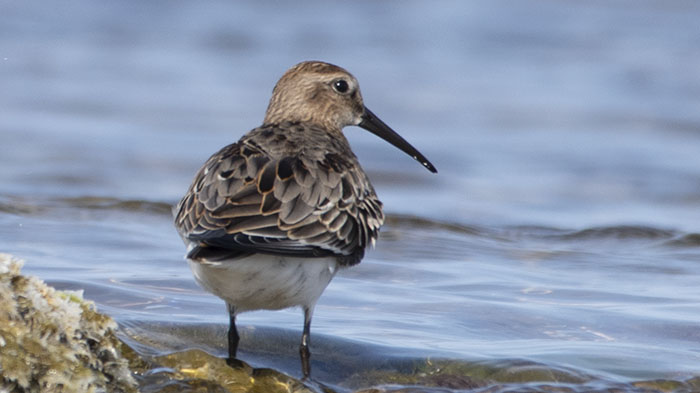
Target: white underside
x=266, y=282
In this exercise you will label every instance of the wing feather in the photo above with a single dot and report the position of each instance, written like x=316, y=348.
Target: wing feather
x=251, y=197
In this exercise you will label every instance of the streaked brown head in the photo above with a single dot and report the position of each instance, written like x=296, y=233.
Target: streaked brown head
x=329, y=96
x=318, y=93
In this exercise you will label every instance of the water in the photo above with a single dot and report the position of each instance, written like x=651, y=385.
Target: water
x=561, y=230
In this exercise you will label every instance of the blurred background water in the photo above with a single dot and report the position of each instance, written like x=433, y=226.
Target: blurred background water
x=562, y=228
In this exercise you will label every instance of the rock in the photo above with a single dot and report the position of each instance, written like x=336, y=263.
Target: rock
x=52, y=341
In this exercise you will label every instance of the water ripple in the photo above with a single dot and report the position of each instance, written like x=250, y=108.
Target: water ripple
x=33, y=206
x=654, y=236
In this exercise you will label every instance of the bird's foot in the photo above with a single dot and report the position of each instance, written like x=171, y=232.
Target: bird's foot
x=234, y=363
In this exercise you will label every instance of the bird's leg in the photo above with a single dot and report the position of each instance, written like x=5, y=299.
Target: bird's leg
x=304, y=347
x=233, y=337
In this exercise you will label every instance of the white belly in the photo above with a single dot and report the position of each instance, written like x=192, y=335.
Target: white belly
x=266, y=282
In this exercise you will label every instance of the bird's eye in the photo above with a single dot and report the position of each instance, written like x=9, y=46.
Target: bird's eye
x=341, y=86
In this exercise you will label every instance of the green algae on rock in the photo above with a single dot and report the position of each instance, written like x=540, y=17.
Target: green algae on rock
x=52, y=341
x=195, y=370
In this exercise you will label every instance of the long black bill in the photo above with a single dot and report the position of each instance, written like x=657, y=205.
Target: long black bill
x=373, y=124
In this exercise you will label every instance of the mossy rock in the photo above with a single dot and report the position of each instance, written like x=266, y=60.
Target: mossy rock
x=52, y=341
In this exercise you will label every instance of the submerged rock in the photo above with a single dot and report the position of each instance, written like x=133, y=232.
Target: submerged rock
x=52, y=341
x=195, y=370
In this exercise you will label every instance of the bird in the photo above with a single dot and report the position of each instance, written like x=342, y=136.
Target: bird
x=270, y=219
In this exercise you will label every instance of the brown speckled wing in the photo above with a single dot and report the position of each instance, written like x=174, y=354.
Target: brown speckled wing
x=242, y=201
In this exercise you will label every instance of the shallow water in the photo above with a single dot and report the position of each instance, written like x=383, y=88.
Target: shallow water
x=562, y=229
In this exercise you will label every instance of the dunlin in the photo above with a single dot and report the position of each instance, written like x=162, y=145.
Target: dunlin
x=270, y=219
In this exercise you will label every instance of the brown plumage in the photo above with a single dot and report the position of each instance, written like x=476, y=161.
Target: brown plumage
x=289, y=189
